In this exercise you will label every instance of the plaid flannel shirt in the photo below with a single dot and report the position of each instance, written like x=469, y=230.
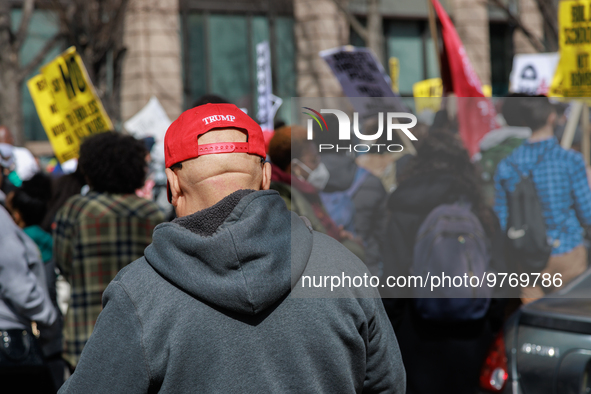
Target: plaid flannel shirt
x=561, y=182
x=95, y=236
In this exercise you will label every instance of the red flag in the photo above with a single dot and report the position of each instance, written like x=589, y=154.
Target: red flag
x=476, y=114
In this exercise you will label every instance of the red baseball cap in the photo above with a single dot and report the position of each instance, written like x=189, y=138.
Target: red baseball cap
x=180, y=141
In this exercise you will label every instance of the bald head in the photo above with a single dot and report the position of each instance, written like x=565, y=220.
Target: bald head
x=6, y=136
x=203, y=181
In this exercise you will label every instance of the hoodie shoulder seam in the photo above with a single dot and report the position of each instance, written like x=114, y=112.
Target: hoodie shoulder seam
x=135, y=309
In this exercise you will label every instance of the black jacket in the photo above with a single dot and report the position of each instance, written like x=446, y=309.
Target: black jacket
x=439, y=358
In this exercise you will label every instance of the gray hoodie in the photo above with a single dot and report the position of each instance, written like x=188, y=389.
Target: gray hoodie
x=213, y=312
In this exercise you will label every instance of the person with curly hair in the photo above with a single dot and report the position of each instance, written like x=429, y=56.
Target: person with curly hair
x=97, y=234
x=451, y=351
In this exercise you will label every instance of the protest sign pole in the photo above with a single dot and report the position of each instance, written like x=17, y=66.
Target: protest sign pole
x=433, y=29
x=571, y=124
x=585, y=147
x=394, y=65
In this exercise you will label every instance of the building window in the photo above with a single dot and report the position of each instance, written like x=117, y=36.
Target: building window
x=43, y=26
x=411, y=43
x=220, y=57
x=501, y=57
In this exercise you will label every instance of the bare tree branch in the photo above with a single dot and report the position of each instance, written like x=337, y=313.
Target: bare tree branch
x=95, y=27
x=62, y=12
x=6, y=35
x=549, y=12
x=355, y=24
x=535, y=41
x=23, y=29
x=105, y=35
x=33, y=64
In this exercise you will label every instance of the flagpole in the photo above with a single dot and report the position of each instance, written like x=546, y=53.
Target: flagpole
x=571, y=124
x=434, y=37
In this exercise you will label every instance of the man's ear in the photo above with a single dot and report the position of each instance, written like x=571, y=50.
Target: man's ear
x=174, y=186
x=266, y=181
x=552, y=118
x=18, y=219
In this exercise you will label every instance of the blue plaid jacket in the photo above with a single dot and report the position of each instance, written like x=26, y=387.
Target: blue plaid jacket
x=562, y=186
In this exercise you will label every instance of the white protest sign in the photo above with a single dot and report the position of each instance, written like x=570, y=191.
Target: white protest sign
x=361, y=75
x=268, y=103
x=533, y=73
x=150, y=121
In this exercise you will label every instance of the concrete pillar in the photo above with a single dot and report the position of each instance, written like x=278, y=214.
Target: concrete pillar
x=319, y=25
x=471, y=20
x=152, y=65
x=532, y=20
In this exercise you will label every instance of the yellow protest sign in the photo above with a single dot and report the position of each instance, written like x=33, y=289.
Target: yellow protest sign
x=429, y=88
x=64, y=146
x=394, y=64
x=573, y=73
x=67, y=104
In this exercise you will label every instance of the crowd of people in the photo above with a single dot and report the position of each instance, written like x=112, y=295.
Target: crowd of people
x=209, y=303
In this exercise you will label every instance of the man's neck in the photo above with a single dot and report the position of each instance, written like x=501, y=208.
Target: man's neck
x=206, y=222
x=542, y=134
x=202, y=201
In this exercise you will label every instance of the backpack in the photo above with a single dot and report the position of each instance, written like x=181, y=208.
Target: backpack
x=527, y=241
x=490, y=160
x=451, y=242
x=339, y=205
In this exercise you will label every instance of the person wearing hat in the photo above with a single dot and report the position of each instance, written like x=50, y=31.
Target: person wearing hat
x=6, y=170
x=217, y=304
x=25, y=163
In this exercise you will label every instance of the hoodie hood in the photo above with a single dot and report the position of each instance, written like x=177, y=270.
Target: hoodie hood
x=247, y=265
x=342, y=171
x=207, y=221
x=422, y=193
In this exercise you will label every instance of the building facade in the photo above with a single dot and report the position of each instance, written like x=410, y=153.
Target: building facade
x=179, y=50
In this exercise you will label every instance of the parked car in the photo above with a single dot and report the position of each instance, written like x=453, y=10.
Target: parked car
x=545, y=347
